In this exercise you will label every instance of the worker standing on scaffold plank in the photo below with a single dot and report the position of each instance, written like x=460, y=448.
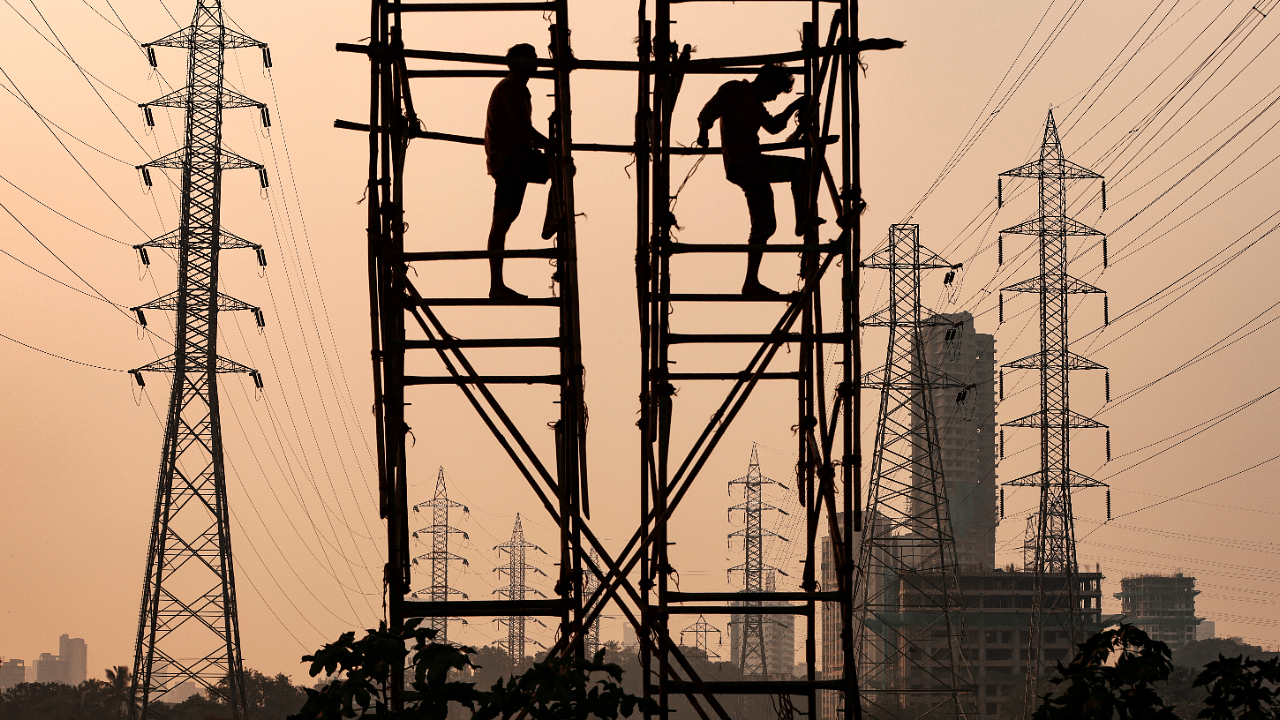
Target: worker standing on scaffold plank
x=739, y=106
x=511, y=154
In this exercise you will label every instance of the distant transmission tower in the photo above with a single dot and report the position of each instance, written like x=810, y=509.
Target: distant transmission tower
x=907, y=593
x=591, y=641
x=188, y=628
x=1055, y=548
x=439, y=556
x=516, y=589
x=701, y=633
x=751, y=647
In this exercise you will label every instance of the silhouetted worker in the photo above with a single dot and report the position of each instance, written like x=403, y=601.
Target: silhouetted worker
x=739, y=106
x=510, y=147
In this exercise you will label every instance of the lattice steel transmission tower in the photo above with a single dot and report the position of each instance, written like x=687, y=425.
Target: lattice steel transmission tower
x=907, y=593
x=701, y=633
x=516, y=590
x=1055, y=548
x=439, y=556
x=752, y=658
x=591, y=583
x=188, y=628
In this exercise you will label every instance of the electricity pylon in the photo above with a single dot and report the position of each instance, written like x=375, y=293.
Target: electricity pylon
x=516, y=589
x=701, y=633
x=907, y=594
x=1055, y=548
x=591, y=640
x=752, y=655
x=188, y=628
x=439, y=555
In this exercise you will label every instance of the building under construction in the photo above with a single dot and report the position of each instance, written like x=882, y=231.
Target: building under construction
x=997, y=603
x=1163, y=606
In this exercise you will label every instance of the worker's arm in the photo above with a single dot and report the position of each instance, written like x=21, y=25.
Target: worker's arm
x=777, y=123
x=710, y=114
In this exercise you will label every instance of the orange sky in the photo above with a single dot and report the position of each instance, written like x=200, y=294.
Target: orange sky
x=79, y=446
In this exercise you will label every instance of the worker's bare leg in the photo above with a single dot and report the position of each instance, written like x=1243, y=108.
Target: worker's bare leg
x=763, y=225
x=508, y=197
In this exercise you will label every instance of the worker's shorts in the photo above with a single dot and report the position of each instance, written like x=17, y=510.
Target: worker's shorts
x=756, y=179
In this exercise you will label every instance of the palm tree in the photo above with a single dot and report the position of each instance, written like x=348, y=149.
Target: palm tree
x=118, y=691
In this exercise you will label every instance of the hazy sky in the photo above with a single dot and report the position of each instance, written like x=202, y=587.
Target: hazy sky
x=1191, y=195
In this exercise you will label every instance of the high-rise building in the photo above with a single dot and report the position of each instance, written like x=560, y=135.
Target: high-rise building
x=997, y=622
x=1206, y=630
x=12, y=672
x=69, y=667
x=1163, y=606
x=51, y=668
x=998, y=602
x=779, y=642
x=966, y=417
x=76, y=654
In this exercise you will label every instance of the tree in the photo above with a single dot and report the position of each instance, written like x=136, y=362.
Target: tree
x=555, y=689
x=1114, y=675
x=1242, y=688
x=119, y=689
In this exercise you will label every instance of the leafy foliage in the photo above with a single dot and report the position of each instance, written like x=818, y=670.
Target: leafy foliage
x=1113, y=675
x=1116, y=672
x=560, y=689
x=1241, y=688
x=363, y=672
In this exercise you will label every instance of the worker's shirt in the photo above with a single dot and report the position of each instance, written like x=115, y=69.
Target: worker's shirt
x=508, y=125
x=741, y=115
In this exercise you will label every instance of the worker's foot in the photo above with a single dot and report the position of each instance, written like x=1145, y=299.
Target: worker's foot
x=804, y=228
x=753, y=288
x=502, y=292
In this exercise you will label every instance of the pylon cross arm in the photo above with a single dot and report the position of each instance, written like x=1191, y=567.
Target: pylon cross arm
x=1037, y=419
x=1074, y=362
x=887, y=259
x=1036, y=225
x=172, y=301
x=169, y=364
x=1057, y=168
x=1070, y=285
x=1036, y=479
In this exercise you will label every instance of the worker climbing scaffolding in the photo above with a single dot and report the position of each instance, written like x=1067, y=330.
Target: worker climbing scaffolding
x=739, y=105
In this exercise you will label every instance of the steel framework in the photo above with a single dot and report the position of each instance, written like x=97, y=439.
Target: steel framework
x=829, y=456
x=439, y=556
x=1055, y=541
x=188, y=627
x=404, y=321
x=907, y=593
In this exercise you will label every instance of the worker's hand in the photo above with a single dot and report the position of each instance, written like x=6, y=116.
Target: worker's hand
x=702, y=140
x=798, y=104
